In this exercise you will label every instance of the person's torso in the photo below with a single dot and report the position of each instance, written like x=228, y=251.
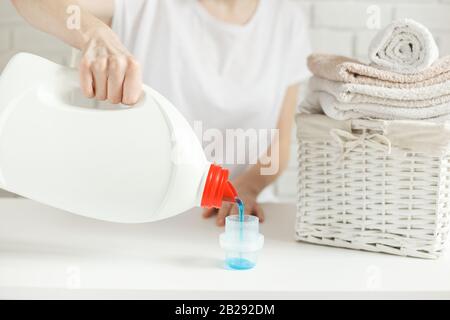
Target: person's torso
x=220, y=76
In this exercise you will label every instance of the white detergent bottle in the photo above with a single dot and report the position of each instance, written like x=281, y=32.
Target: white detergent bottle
x=116, y=163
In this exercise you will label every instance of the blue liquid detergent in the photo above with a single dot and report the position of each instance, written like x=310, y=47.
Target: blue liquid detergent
x=241, y=208
x=239, y=263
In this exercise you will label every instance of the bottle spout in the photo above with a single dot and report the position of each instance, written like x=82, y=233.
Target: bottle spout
x=229, y=193
x=217, y=188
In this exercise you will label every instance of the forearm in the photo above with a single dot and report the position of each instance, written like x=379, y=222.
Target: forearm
x=274, y=162
x=266, y=171
x=51, y=16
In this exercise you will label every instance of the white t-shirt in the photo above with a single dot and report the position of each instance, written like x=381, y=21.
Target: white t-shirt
x=226, y=76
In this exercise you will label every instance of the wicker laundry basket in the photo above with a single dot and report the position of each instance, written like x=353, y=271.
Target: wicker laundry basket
x=374, y=185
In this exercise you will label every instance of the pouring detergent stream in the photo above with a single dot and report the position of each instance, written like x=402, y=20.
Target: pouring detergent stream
x=145, y=164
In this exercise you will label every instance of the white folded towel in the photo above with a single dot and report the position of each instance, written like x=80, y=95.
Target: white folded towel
x=395, y=97
x=404, y=46
x=315, y=102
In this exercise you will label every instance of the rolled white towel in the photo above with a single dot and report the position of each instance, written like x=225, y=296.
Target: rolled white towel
x=404, y=46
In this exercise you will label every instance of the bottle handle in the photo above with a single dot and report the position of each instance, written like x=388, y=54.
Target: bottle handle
x=65, y=92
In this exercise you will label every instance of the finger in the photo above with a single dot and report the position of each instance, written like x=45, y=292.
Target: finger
x=86, y=79
x=209, y=212
x=132, y=85
x=259, y=212
x=222, y=214
x=99, y=70
x=116, y=75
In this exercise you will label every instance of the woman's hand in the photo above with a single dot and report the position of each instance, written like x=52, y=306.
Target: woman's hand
x=107, y=69
x=247, y=194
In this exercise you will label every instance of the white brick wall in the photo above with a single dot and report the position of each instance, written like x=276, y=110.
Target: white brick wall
x=337, y=26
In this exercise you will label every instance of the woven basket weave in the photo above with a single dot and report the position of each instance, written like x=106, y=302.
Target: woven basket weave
x=380, y=186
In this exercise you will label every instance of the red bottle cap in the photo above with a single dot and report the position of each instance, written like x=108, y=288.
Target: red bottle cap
x=217, y=188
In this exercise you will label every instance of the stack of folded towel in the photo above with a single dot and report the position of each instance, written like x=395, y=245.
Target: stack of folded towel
x=404, y=80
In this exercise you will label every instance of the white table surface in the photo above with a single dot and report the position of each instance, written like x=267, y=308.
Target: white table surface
x=48, y=253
